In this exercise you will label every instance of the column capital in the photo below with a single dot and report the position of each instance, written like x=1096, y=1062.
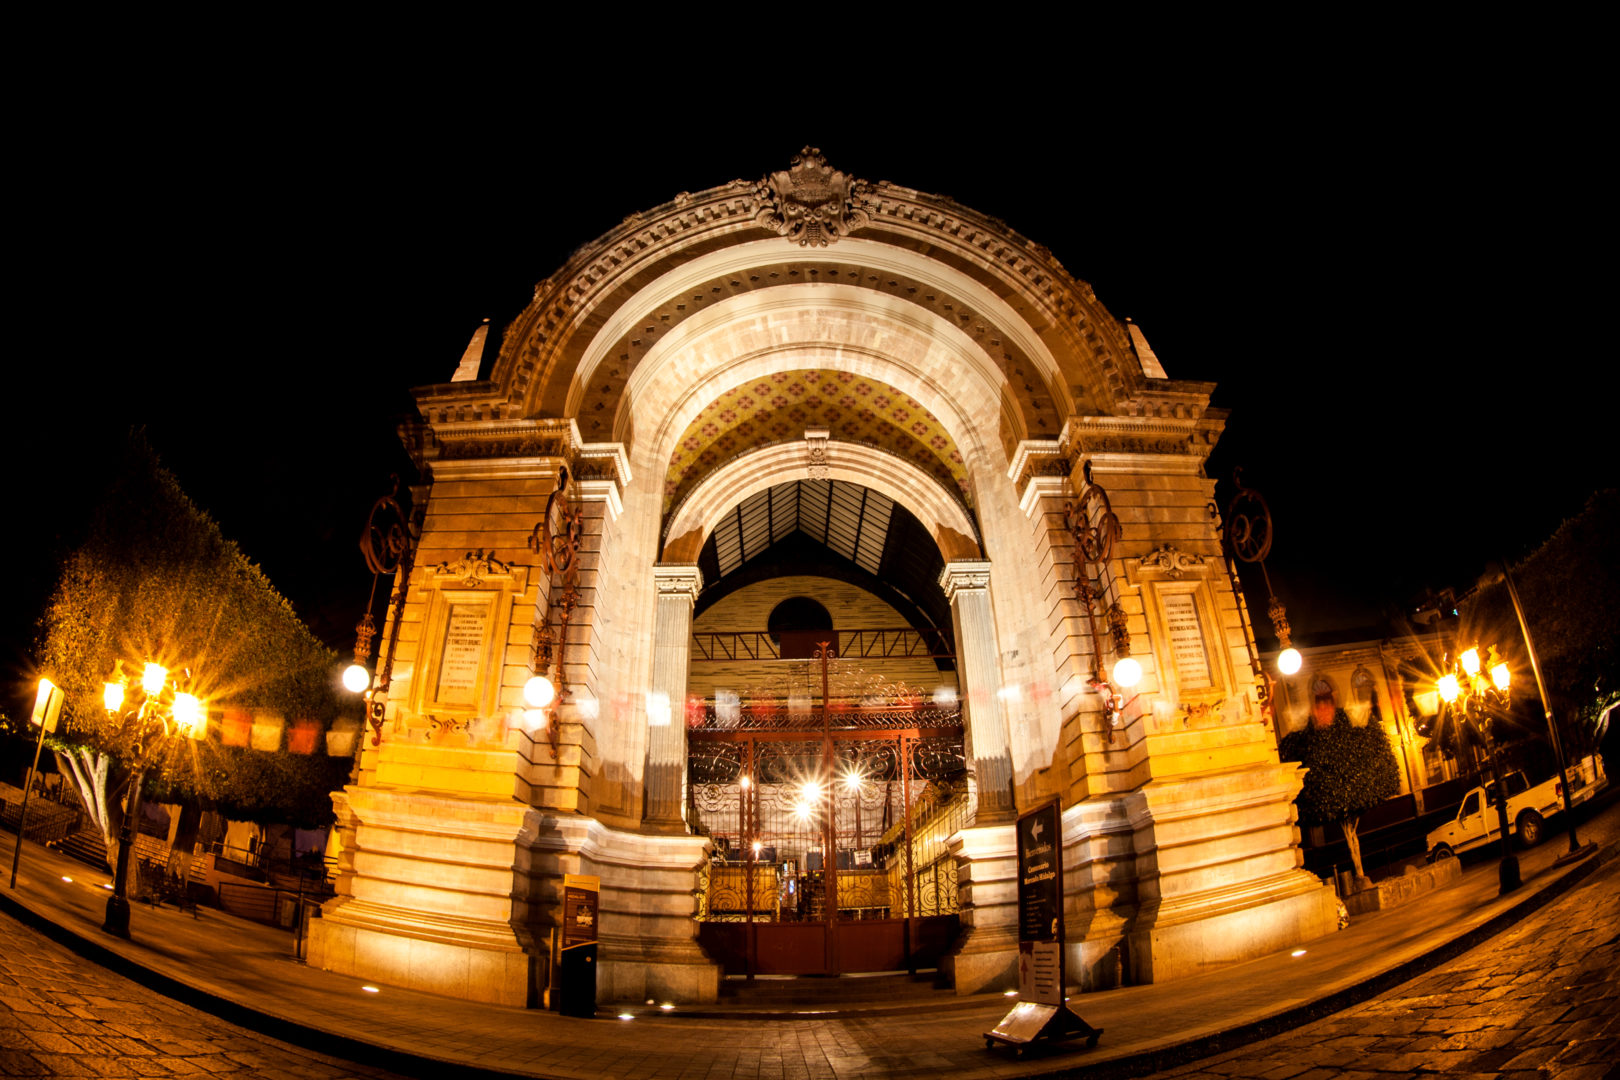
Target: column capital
x=678, y=579
x=964, y=574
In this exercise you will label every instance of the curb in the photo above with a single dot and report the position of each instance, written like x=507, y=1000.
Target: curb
x=1151, y=1061
x=1148, y=1061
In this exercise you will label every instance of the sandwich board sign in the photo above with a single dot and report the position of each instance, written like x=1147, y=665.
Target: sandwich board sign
x=1042, y=1012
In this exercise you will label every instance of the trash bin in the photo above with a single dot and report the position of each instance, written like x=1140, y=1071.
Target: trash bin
x=576, y=981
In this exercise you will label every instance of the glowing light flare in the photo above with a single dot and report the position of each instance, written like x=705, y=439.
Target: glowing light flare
x=811, y=791
x=745, y=781
x=356, y=679
x=112, y=696
x=802, y=811
x=153, y=677
x=1470, y=661
x=758, y=847
x=627, y=1016
x=68, y=880
x=371, y=989
x=1297, y=952
x=534, y=719
x=852, y=781
x=1289, y=661
x=189, y=717
x=1010, y=993
x=944, y=698
x=539, y=692
x=666, y=1006
x=1447, y=688
x=1127, y=672
x=1501, y=676
x=658, y=711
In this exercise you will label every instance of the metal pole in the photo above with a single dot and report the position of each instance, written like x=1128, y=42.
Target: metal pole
x=750, y=828
x=1546, y=706
x=117, y=919
x=1507, y=871
x=22, y=815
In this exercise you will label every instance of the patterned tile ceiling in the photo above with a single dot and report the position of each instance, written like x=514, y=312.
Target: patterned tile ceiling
x=780, y=407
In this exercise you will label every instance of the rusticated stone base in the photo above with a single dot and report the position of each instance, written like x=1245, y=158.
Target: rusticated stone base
x=1259, y=918
x=403, y=948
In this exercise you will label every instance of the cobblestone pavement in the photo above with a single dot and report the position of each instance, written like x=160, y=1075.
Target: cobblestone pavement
x=1540, y=1000
x=63, y=1016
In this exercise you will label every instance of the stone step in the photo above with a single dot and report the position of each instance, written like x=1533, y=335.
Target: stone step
x=814, y=990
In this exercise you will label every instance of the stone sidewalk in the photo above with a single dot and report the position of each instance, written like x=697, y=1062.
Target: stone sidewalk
x=244, y=973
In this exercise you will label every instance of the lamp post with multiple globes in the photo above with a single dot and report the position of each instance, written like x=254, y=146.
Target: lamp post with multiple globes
x=1480, y=701
x=151, y=708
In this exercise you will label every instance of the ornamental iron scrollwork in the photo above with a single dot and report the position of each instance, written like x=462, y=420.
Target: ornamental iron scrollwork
x=556, y=539
x=385, y=543
x=1095, y=527
x=1246, y=534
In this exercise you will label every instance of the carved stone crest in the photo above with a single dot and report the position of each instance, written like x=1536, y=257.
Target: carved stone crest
x=816, y=440
x=1173, y=562
x=473, y=567
x=811, y=202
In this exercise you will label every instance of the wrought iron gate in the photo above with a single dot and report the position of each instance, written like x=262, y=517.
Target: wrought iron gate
x=829, y=813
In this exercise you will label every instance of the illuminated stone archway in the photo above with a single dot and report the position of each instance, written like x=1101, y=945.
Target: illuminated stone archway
x=467, y=812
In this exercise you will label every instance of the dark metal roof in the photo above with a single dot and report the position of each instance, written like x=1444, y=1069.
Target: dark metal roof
x=833, y=529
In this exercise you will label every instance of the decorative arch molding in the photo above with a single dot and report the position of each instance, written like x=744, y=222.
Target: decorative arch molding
x=815, y=326
x=625, y=259
x=944, y=517
x=866, y=254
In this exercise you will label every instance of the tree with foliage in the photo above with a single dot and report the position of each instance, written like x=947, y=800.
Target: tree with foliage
x=154, y=579
x=1570, y=593
x=1351, y=770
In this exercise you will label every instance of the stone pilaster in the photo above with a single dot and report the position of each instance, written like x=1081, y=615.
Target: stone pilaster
x=967, y=587
x=677, y=587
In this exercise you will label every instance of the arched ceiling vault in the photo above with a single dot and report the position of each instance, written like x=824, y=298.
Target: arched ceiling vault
x=832, y=328
x=850, y=408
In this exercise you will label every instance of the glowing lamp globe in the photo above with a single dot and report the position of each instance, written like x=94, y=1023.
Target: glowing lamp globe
x=1127, y=672
x=188, y=716
x=152, y=677
x=538, y=692
x=1470, y=661
x=112, y=696
x=356, y=678
x=1289, y=661
x=1501, y=676
x=1447, y=686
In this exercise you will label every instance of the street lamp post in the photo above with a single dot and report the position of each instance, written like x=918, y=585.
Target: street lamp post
x=1575, y=851
x=1481, y=701
x=152, y=708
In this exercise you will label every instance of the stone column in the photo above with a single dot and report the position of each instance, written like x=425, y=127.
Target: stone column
x=967, y=587
x=678, y=586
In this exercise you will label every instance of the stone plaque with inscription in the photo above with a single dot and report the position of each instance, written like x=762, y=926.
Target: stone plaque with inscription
x=1186, y=634
x=462, y=650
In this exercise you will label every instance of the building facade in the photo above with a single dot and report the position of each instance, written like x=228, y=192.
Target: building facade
x=777, y=414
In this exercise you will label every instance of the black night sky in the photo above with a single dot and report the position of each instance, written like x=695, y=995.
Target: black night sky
x=1382, y=286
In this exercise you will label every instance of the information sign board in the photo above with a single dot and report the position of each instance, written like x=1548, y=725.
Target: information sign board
x=581, y=896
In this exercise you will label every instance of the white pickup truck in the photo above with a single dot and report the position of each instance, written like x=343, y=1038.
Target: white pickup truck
x=1528, y=809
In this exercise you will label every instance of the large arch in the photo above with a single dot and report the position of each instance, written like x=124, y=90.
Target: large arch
x=1174, y=805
